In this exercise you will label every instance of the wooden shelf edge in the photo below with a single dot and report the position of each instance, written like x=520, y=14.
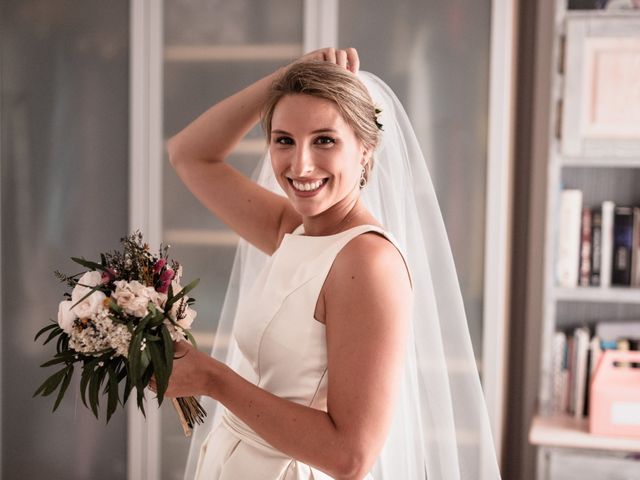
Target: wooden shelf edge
x=598, y=294
x=568, y=432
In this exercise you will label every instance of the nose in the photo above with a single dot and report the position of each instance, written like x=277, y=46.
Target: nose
x=302, y=162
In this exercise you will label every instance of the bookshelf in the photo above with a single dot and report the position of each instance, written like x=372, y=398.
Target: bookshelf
x=585, y=153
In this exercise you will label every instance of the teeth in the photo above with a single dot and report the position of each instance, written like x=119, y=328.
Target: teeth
x=307, y=187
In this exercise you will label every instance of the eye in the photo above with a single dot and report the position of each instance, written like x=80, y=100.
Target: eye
x=283, y=140
x=325, y=140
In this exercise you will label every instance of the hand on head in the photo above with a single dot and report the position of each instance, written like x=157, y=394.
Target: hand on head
x=347, y=58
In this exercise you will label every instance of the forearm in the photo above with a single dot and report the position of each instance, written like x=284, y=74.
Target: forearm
x=306, y=434
x=214, y=134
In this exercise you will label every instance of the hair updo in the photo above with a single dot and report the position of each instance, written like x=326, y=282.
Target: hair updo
x=330, y=82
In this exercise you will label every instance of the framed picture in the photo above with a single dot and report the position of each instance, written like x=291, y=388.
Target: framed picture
x=601, y=111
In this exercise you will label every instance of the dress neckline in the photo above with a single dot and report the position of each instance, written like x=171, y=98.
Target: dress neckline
x=301, y=235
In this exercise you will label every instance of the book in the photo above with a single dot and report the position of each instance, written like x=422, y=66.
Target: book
x=581, y=349
x=585, y=249
x=596, y=246
x=635, y=249
x=606, y=265
x=568, y=252
x=558, y=372
x=622, y=243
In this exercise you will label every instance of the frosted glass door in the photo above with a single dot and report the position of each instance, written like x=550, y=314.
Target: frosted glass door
x=212, y=49
x=427, y=51
x=64, y=116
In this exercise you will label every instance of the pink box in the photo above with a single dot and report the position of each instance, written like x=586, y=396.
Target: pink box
x=615, y=395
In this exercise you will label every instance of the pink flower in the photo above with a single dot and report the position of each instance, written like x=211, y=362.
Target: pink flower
x=159, y=265
x=108, y=275
x=165, y=280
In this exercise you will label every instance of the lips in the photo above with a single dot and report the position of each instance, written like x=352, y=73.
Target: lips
x=307, y=188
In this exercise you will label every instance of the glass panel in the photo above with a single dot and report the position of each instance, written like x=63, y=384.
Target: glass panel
x=435, y=55
x=64, y=191
x=212, y=49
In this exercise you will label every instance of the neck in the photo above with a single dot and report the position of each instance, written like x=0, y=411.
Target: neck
x=338, y=218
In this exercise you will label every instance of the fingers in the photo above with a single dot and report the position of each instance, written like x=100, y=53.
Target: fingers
x=353, y=60
x=347, y=58
x=341, y=58
x=330, y=55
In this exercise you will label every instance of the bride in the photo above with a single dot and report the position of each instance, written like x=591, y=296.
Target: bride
x=351, y=357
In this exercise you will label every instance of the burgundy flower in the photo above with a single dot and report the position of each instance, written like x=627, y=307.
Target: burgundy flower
x=108, y=275
x=159, y=265
x=165, y=280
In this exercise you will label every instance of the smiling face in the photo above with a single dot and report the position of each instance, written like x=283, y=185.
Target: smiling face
x=315, y=154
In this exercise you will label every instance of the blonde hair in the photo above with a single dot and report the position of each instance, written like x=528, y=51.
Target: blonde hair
x=330, y=82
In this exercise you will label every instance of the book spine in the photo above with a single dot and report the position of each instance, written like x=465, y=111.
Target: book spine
x=585, y=248
x=622, y=243
x=558, y=372
x=635, y=249
x=568, y=260
x=596, y=246
x=581, y=347
x=606, y=257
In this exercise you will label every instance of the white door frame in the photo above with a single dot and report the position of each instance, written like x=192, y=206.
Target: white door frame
x=145, y=186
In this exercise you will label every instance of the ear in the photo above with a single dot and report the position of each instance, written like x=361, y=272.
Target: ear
x=366, y=156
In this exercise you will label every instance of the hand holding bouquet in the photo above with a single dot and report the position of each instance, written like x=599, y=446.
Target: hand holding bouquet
x=119, y=323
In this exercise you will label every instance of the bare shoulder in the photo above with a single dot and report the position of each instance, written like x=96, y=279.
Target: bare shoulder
x=370, y=261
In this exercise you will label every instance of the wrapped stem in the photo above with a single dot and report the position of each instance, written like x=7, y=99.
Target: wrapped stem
x=190, y=413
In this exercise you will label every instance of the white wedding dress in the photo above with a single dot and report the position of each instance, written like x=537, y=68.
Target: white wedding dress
x=283, y=351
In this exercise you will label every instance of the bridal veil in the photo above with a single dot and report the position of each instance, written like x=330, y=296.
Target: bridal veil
x=440, y=429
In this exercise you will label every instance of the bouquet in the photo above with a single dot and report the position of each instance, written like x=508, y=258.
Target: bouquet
x=118, y=324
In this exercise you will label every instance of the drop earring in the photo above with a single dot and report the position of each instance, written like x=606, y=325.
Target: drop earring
x=363, y=178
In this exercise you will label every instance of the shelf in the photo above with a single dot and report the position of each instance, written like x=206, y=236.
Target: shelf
x=598, y=294
x=231, y=53
x=569, y=432
x=199, y=237
x=600, y=162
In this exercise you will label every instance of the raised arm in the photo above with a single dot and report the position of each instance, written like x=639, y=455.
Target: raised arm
x=197, y=153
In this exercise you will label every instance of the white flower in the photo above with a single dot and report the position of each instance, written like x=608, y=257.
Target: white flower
x=188, y=315
x=65, y=316
x=94, y=302
x=134, y=297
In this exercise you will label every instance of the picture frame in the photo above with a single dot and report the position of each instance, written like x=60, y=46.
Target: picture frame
x=601, y=111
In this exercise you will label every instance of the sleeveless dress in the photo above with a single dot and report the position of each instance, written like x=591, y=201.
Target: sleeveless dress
x=283, y=351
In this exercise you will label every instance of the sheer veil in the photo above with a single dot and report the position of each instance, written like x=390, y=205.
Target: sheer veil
x=440, y=429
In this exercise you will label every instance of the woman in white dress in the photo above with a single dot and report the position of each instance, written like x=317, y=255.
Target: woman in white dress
x=351, y=356
x=277, y=425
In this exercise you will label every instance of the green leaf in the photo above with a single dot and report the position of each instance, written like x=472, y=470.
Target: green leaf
x=87, y=372
x=94, y=389
x=128, y=386
x=44, y=329
x=190, y=337
x=114, y=306
x=55, y=332
x=55, y=361
x=167, y=344
x=135, y=358
x=89, y=264
x=63, y=388
x=171, y=300
x=51, y=383
x=112, y=402
x=160, y=370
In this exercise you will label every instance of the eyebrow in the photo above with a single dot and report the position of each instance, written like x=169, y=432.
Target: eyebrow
x=320, y=130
